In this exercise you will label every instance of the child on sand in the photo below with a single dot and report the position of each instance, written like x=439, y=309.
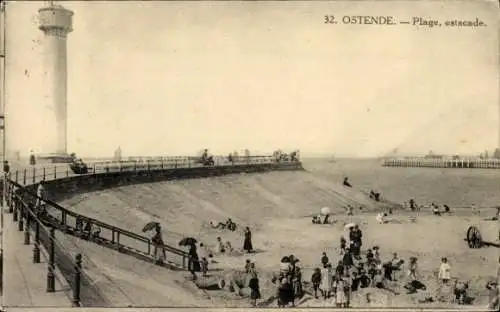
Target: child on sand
x=381, y=218
x=343, y=245
x=220, y=246
x=444, y=271
x=340, y=295
x=326, y=281
x=204, y=266
x=412, y=269
x=316, y=280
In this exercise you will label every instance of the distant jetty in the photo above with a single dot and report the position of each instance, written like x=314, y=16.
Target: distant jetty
x=441, y=162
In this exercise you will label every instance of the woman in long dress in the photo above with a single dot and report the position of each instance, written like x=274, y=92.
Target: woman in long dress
x=247, y=243
x=253, y=284
x=326, y=281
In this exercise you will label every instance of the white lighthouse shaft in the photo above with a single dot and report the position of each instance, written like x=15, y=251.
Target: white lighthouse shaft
x=56, y=89
x=56, y=23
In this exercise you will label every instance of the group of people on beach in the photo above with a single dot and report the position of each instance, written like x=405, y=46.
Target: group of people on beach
x=432, y=206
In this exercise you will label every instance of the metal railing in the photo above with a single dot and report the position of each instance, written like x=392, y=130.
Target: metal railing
x=42, y=223
x=21, y=204
x=34, y=174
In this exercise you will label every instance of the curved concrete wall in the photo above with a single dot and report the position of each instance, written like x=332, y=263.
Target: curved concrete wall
x=62, y=188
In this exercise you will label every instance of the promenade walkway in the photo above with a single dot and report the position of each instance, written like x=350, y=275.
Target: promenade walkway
x=25, y=282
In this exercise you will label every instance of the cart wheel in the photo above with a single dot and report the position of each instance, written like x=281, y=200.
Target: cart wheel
x=474, y=239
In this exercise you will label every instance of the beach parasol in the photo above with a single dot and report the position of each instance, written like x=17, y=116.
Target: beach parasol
x=150, y=226
x=325, y=211
x=349, y=225
x=187, y=241
x=285, y=259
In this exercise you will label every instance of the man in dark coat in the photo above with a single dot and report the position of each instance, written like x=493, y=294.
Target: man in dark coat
x=324, y=260
x=358, y=235
x=347, y=260
x=194, y=261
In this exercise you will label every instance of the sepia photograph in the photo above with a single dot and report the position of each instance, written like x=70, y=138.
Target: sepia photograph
x=160, y=155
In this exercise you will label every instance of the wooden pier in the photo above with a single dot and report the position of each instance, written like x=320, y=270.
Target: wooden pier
x=421, y=162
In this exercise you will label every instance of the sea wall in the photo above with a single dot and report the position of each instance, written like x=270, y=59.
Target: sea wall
x=61, y=183
x=64, y=187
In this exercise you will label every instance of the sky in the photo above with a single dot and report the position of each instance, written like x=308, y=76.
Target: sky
x=171, y=78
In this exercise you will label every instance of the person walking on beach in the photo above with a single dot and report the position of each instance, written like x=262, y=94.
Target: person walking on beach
x=253, y=284
x=324, y=259
x=247, y=242
x=444, y=271
x=194, y=261
x=316, y=280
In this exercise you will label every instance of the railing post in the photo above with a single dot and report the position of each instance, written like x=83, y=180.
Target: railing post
x=36, y=247
x=43, y=173
x=77, y=281
x=63, y=219
x=161, y=162
x=147, y=164
x=93, y=168
x=55, y=172
x=24, y=176
x=135, y=165
x=11, y=199
x=34, y=175
x=50, y=274
x=14, y=207
x=67, y=172
x=20, y=224
x=17, y=176
x=27, y=228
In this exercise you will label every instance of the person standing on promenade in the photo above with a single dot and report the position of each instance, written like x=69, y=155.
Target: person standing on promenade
x=32, y=158
x=41, y=195
x=6, y=167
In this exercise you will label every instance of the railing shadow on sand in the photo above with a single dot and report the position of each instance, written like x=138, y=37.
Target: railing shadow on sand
x=41, y=224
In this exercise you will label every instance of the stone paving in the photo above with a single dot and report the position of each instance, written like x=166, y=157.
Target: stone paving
x=25, y=282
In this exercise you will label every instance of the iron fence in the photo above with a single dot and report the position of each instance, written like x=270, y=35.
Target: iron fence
x=40, y=218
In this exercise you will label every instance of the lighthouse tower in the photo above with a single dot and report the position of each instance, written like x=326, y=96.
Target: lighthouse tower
x=56, y=23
